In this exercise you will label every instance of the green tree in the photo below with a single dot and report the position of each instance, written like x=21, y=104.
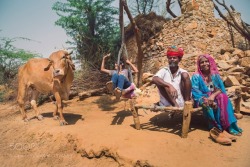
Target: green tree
x=11, y=58
x=93, y=26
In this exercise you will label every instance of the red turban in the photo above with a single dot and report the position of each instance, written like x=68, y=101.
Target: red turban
x=174, y=51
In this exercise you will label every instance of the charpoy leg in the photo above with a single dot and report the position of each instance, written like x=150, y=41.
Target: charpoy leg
x=186, y=119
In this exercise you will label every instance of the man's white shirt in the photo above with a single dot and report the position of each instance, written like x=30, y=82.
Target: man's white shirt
x=167, y=76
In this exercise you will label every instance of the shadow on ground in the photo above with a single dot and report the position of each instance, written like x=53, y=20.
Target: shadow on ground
x=165, y=122
x=106, y=103
x=120, y=116
x=69, y=117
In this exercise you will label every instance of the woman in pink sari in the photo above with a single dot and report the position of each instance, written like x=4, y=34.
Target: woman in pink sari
x=209, y=92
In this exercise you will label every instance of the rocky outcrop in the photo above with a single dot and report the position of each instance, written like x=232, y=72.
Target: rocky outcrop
x=197, y=31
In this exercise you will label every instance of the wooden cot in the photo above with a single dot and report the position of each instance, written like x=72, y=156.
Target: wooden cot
x=187, y=111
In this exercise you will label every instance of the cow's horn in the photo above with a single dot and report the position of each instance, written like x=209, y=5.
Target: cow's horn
x=70, y=52
x=47, y=68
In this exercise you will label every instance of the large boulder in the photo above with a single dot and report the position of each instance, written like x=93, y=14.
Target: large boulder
x=231, y=81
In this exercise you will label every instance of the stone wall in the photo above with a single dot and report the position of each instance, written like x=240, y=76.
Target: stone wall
x=196, y=30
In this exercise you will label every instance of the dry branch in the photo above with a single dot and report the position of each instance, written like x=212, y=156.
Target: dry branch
x=168, y=4
x=243, y=30
x=93, y=92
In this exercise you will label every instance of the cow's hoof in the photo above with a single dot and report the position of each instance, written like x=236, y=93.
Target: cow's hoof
x=56, y=117
x=40, y=117
x=62, y=123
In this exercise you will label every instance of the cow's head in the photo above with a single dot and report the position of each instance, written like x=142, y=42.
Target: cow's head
x=60, y=61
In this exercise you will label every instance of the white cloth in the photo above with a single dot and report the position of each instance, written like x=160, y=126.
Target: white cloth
x=210, y=86
x=166, y=75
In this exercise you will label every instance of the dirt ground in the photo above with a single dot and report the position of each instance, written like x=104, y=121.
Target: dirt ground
x=101, y=133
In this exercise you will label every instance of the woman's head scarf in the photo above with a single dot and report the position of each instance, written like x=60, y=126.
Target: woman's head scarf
x=213, y=66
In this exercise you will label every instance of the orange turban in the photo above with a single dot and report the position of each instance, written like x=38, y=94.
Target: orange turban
x=174, y=51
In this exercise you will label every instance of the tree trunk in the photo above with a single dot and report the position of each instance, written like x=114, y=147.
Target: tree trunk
x=138, y=41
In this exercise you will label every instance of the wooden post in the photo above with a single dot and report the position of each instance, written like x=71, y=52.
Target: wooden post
x=237, y=104
x=186, y=118
x=138, y=41
x=122, y=33
x=134, y=111
x=237, y=101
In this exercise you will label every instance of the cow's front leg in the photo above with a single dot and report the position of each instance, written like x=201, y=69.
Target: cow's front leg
x=60, y=109
x=55, y=113
x=23, y=112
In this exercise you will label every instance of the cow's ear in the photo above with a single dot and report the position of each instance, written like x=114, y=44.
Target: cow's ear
x=68, y=54
x=47, y=68
x=68, y=57
x=72, y=65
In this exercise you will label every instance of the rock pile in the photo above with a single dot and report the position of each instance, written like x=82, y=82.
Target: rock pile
x=197, y=31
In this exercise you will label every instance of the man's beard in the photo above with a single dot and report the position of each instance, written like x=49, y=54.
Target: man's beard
x=173, y=64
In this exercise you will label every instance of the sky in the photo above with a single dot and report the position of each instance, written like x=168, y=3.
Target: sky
x=35, y=20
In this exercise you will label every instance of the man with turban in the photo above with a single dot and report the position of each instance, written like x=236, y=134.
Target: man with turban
x=172, y=81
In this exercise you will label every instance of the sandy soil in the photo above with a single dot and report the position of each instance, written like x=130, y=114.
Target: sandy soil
x=101, y=133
